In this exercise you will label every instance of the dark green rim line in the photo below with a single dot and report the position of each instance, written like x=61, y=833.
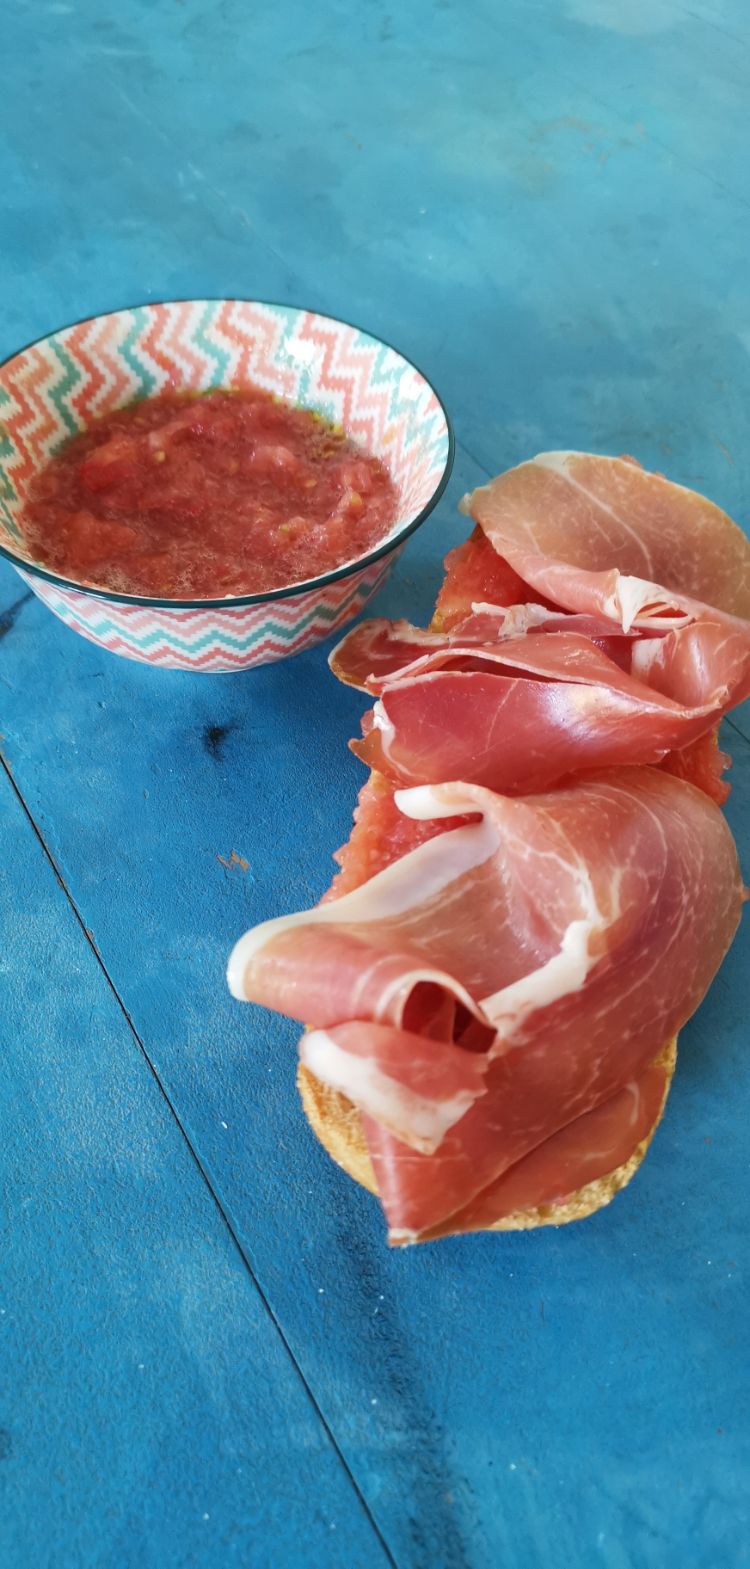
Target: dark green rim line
x=294, y=589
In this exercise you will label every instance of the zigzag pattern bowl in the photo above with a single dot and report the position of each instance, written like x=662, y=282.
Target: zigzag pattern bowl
x=55, y=387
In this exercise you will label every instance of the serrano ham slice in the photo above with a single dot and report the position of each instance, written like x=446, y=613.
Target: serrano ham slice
x=575, y=1171
x=591, y=1147
x=701, y=762
x=603, y=536
x=379, y=651
x=557, y=940
x=493, y=983
x=514, y=715
x=599, y=668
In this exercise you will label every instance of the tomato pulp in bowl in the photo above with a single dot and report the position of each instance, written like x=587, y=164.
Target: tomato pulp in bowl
x=58, y=390
x=232, y=491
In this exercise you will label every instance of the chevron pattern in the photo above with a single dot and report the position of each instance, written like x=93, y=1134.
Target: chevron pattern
x=60, y=384
x=215, y=640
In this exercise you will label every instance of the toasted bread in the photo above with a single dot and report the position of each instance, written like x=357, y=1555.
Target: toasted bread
x=337, y=1124
x=333, y=1118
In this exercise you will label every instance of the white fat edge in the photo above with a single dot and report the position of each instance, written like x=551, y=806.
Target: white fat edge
x=425, y=670
x=567, y=970
x=403, y=1239
x=562, y=975
x=518, y=669
x=516, y=619
x=479, y=608
x=648, y=651
x=424, y=803
x=645, y=654
x=385, y=725
x=420, y=1121
x=431, y=977
x=529, y=665
x=417, y=877
x=432, y=642
x=411, y=634
x=638, y=603
x=397, y=630
x=615, y=890
x=557, y=461
x=421, y=665
x=428, y=802
x=647, y=660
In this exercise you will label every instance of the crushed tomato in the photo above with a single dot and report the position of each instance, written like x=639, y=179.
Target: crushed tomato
x=224, y=493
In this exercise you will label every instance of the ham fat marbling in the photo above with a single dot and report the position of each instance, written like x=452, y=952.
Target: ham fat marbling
x=495, y=999
x=504, y=978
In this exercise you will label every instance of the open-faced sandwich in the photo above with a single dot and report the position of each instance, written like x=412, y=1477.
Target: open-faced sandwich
x=540, y=884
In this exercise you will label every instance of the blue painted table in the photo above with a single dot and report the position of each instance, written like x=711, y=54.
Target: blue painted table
x=207, y=1355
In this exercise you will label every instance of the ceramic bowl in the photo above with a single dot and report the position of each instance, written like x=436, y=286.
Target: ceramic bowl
x=56, y=386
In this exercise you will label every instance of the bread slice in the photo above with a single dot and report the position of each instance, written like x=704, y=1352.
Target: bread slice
x=337, y=1124
x=473, y=571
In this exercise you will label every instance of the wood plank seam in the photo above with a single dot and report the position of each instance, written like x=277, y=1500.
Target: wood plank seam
x=9, y=617
x=733, y=725
x=224, y=1217
x=483, y=469
x=708, y=21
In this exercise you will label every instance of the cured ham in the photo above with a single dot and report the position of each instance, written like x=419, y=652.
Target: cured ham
x=603, y=536
x=524, y=940
x=375, y=653
x=596, y=667
x=514, y=715
x=590, y=1147
x=493, y=977
x=703, y=764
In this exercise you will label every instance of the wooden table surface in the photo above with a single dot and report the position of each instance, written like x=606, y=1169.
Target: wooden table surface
x=207, y=1354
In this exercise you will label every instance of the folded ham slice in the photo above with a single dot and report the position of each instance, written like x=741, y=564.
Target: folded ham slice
x=603, y=536
x=494, y=973
x=505, y=978
x=515, y=714
x=591, y=1147
x=597, y=667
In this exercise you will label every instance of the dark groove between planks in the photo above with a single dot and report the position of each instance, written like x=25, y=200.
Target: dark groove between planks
x=195, y=1156
x=462, y=447
x=10, y=616
x=733, y=725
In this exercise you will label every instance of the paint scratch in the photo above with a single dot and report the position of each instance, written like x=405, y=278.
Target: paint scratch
x=234, y=860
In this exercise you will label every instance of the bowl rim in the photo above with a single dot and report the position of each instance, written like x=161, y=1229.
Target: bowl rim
x=287, y=592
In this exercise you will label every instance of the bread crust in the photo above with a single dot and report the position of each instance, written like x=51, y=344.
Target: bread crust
x=338, y=1126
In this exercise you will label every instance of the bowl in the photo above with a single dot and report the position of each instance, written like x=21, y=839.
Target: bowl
x=56, y=386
